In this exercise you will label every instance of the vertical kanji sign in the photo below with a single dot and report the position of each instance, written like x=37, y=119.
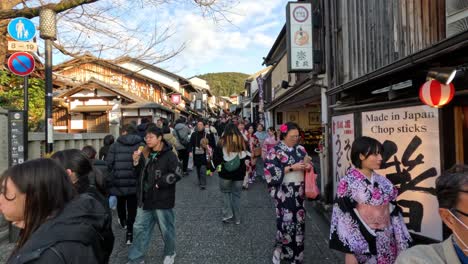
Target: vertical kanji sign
x=299, y=36
x=343, y=138
x=410, y=136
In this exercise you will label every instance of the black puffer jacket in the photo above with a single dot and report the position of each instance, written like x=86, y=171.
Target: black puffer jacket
x=142, y=129
x=152, y=172
x=122, y=179
x=75, y=236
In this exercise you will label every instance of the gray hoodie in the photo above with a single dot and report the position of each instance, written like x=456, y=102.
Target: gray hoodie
x=184, y=133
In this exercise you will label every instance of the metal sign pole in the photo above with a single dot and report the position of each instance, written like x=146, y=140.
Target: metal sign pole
x=26, y=116
x=49, y=130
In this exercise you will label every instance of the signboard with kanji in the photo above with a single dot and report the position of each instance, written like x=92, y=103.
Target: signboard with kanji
x=299, y=36
x=342, y=139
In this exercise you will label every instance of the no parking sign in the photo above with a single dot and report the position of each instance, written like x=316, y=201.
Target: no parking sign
x=21, y=63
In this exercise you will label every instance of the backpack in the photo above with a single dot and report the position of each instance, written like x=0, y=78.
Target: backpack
x=233, y=164
x=183, y=141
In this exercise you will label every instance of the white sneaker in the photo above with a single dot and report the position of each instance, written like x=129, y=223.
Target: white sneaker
x=169, y=259
x=276, y=257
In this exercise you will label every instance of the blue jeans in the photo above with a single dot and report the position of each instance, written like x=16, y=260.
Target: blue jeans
x=143, y=230
x=259, y=167
x=231, y=198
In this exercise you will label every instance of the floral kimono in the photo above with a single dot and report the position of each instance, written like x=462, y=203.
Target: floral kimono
x=366, y=221
x=269, y=143
x=289, y=201
x=253, y=143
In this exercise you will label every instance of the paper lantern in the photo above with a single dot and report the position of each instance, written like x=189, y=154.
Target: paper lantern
x=435, y=94
x=175, y=98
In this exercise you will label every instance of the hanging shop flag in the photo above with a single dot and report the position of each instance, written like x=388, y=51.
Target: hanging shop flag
x=299, y=36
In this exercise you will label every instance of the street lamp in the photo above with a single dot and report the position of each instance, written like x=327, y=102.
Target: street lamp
x=48, y=32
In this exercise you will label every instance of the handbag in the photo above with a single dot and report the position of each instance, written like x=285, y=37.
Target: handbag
x=311, y=189
x=233, y=164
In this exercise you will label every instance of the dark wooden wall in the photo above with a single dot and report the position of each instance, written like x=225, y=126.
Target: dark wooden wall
x=369, y=34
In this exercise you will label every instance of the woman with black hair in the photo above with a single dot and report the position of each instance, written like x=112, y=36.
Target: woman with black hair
x=284, y=173
x=108, y=141
x=231, y=154
x=88, y=180
x=57, y=225
x=366, y=223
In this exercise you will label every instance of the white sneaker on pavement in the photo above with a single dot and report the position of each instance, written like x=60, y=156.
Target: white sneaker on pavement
x=276, y=257
x=169, y=259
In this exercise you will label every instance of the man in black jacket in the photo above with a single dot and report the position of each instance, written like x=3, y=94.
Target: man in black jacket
x=122, y=180
x=158, y=172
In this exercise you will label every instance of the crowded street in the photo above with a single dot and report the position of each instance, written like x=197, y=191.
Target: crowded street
x=234, y=131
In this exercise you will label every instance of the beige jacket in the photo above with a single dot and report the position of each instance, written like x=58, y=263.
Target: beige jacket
x=171, y=140
x=443, y=253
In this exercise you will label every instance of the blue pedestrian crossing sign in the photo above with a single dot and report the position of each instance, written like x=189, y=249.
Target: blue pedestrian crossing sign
x=21, y=29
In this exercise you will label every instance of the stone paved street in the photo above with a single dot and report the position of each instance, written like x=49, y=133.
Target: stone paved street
x=203, y=239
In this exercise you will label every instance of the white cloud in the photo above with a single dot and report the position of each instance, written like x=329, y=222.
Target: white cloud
x=264, y=40
x=253, y=28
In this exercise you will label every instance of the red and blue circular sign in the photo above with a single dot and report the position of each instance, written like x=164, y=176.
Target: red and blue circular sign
x=21, y=63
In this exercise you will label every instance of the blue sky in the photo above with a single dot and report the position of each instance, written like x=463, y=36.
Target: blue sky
x=234, y=46
x=238, y=46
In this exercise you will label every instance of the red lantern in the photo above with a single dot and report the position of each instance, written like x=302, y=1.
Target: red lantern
x=436, y=94
x=175, y=98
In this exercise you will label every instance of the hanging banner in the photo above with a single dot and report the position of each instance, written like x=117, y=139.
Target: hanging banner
x=299, y=36
x=411, y=161
x=261, y=111
x=342, y=139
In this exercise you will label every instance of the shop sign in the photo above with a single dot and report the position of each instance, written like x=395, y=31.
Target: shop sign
x=342, y=139
x=411, y=161
x=299, y=37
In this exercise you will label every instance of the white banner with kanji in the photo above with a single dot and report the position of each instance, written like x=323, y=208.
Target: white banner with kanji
x=342, y=137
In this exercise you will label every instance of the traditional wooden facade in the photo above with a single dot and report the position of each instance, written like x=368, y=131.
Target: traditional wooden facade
x=92, y=93
x=379, y=55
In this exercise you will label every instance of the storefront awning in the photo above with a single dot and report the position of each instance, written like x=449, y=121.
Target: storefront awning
x=146, y=105
x=307, y=93
x=90, y=108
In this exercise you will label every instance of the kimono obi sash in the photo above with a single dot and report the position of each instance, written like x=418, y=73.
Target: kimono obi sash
x=294, y=176
x=375, y=216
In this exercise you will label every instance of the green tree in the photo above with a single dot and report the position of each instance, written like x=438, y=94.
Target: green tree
x=11, y=96
x=225, y=83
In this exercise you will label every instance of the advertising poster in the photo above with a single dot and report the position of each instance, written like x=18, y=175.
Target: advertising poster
x=411, y=161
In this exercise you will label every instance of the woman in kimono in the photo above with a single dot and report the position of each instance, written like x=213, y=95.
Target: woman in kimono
x=269, y=143
x=366, y=223
x=284, y=173
x=253, y=144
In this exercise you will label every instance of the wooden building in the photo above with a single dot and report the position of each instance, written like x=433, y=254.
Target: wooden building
x=91, y=93
x=379, y=55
